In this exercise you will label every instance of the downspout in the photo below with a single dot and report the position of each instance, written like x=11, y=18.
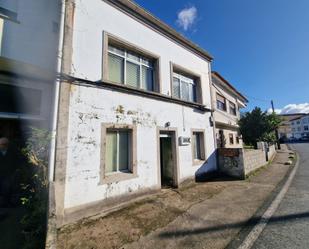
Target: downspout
x=213, y=108
x=52, y=151
x=51, y=229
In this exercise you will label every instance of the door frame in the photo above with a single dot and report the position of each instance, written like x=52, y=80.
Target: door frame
x=174, y=135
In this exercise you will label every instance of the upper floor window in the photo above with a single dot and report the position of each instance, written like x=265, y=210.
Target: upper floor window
x=129, y=68
x=184, y=87
x=232, y=108
x=237, y=139
x=221, y=102
x=231, y=138
x=298, y=122
x=306, y=128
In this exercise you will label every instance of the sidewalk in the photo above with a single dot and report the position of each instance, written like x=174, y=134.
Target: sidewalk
x=198, y=215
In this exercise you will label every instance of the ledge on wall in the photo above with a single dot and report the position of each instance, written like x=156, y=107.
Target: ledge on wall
x=132, y=90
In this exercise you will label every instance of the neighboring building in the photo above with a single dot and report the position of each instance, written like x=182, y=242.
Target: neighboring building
x=135, y=119
x=300, y=126
x=227, y=102
x=288, y=128
x=28, y=55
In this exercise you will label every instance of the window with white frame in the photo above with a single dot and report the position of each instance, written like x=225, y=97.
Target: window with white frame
x=237, y=139
x=221, y=102
x=198, y=145
x=306, y=128
x=184, y=87
x=130, y=68
x=118, y=151
x=231, y=138
x=232, y=108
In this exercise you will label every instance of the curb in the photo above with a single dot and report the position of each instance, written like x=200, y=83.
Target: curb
x=255, y=225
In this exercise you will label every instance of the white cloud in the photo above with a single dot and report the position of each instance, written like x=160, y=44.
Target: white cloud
x=186, y=17
x=293, y=108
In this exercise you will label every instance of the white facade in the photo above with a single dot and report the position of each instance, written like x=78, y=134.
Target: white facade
x=300, y=127
x=227, y=112
x=91, y=106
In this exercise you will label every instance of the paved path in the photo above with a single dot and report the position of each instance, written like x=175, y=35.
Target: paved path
x=213, y=223
x=289, y=226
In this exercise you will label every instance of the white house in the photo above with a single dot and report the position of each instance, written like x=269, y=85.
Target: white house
x=134, y=108
x=300, y=126
x=227, y=102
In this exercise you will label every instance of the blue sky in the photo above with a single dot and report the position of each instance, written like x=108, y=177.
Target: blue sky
x=260, y=46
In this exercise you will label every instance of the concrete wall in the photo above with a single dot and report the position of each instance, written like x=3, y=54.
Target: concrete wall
x=231, y=162
x=89, y=107
x=253, y=159
x=240, y=162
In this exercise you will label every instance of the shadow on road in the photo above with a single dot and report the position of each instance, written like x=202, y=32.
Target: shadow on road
x=251, y=222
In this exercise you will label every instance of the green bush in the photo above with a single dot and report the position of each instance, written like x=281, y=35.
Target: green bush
x=35, y=188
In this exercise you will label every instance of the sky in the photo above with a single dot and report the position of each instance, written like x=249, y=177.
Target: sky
x=259, y=46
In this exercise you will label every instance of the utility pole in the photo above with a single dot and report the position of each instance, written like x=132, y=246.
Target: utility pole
x=277, y=134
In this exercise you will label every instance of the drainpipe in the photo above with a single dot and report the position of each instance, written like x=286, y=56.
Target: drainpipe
x=52, y=150
x=212, y=115
x=212, y=107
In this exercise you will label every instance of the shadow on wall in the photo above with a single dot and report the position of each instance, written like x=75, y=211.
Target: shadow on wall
x=208, y=170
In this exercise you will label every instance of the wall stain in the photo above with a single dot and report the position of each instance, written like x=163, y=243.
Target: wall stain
x=137, y=117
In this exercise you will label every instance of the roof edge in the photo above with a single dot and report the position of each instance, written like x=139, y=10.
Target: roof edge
x=137, y=11
x=229, y=85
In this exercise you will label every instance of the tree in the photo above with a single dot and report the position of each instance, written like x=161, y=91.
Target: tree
x=35, y=189
x=258, y=126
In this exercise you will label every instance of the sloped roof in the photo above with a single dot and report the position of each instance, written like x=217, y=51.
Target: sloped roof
x=229, y=85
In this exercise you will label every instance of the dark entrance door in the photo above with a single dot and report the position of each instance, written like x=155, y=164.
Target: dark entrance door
x=221, y=139
x=167, y=159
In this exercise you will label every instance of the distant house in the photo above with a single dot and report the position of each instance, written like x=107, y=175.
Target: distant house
x=289, y=126
x=134, y=110
x=227, y=102
x=300, y=126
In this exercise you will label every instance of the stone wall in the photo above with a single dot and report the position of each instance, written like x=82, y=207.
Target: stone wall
x=240, y=162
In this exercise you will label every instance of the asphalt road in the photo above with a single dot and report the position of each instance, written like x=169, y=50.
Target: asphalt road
x=289, y=226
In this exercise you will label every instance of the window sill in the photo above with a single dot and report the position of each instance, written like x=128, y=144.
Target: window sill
x=117, y=177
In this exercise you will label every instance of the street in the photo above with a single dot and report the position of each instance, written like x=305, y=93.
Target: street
x=288, y=228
